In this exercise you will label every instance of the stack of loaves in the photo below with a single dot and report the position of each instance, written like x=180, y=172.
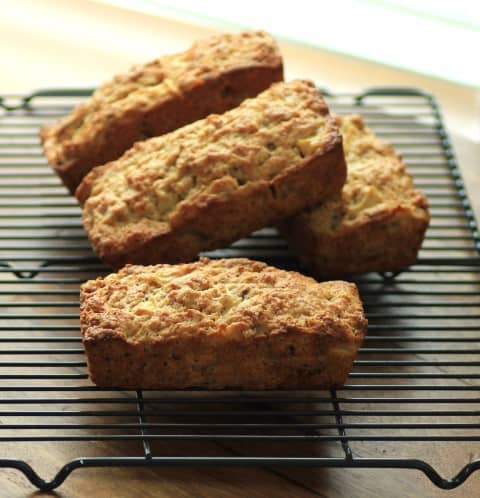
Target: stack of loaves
x=193, y=151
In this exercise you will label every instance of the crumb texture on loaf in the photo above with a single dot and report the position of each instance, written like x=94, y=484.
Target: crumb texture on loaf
x=167, y=183
x=165, y=314
x=236, y=297
x=376, y=223
x=120, y=110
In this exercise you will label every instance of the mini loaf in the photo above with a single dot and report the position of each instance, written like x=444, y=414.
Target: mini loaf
x=214, y=181
x=376, y=224
x=218, y=324
x=214, y=75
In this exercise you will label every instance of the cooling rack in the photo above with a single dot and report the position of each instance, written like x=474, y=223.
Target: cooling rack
x=412, y=400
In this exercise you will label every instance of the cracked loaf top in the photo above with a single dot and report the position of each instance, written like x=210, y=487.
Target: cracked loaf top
x=149, y=84
x=233, y=298
x=377, y=182
x=255, y=154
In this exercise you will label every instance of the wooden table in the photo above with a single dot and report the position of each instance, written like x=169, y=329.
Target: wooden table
x=214, y=481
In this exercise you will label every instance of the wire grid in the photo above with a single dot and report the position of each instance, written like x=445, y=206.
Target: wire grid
x=414, y=385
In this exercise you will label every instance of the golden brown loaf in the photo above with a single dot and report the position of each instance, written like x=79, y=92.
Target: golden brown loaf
x=214, y=75
x=214, y=181
x=219, y=323
x=378, y=221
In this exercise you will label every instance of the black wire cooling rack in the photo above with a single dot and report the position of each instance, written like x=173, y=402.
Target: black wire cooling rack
x=412, y=400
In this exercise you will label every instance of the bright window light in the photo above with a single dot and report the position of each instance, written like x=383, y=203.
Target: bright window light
x=435, y=38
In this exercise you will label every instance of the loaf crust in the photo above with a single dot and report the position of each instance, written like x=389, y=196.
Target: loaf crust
x=376, y=224
x=218, y=324
x=214, y=75
x=214, y=181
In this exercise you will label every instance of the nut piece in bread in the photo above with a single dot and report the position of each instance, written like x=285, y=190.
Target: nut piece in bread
x=214, y=75
x=218, y=324
x=214, y=181
x=376, y=224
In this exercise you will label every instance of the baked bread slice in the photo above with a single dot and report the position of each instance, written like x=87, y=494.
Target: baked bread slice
x=217, y=324
x=214, y=181
x=378, y=221
x=214, y=75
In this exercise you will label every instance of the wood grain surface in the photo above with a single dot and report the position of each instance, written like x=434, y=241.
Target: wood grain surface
x=92, y=64
x=48, y=457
